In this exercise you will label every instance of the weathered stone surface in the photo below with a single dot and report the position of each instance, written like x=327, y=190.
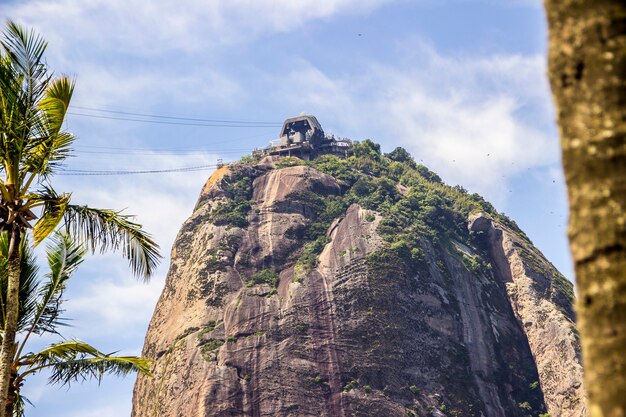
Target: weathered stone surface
x=544, y=311
x=361, y=333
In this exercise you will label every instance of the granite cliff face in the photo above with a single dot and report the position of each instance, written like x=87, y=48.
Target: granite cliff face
x=359, y=287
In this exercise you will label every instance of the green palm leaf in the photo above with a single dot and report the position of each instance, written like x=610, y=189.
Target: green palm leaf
x=54, y=206
x=19, y=406
x=25, y=51
x=12, y=112
x=56, y=102
x=64, y=256
x=25, y=81
x=74, y=360
x=109, y=229
x=52, y=146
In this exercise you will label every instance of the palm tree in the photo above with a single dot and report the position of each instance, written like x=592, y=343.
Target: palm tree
x=40, y=313
x=33, y=145
x=587, y=68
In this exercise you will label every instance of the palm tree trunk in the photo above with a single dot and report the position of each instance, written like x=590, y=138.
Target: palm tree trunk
x=10, y=408
x=587, y=67
x=11, y=314
x=13, y=393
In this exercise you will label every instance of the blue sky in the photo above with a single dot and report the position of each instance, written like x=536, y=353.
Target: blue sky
x=460, y=83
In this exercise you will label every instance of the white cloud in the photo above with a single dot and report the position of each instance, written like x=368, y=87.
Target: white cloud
x=477, y=142
x=141, y=53
x=111, y=398
x=113, y=308
x=142, y=86
x=156, y=27
x=477, y=121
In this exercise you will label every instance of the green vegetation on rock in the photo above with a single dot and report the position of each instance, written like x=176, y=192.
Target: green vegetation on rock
x=234, y=210
x=265, y=276
x=209, y=349
x=413, y=201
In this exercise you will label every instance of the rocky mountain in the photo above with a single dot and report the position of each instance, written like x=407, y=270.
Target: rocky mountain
x=357, y=287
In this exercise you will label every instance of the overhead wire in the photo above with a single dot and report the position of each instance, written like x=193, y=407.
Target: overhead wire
x=103, y=113
x=194, y=148
x=157, y=119
x=171, y=122
x=67, y=172
x=122, y=148
x=160, y=116
x=166, y=153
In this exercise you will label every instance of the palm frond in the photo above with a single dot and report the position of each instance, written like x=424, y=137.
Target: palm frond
x=48, y=154
x=20, y=405
x=26, y=50
x=10, y=95
x=74, y=370
x=74, y=360
x=109, y=229
x=12, y=110
x=54, y=206
x=56, y=102
x=47, y=151
x=28, y=284
x=61, y=351
x=24, y=80
x=64, y=256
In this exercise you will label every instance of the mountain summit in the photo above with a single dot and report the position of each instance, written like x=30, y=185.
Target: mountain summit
x=357, y=286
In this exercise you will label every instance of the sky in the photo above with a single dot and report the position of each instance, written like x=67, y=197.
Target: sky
x=461, y=84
